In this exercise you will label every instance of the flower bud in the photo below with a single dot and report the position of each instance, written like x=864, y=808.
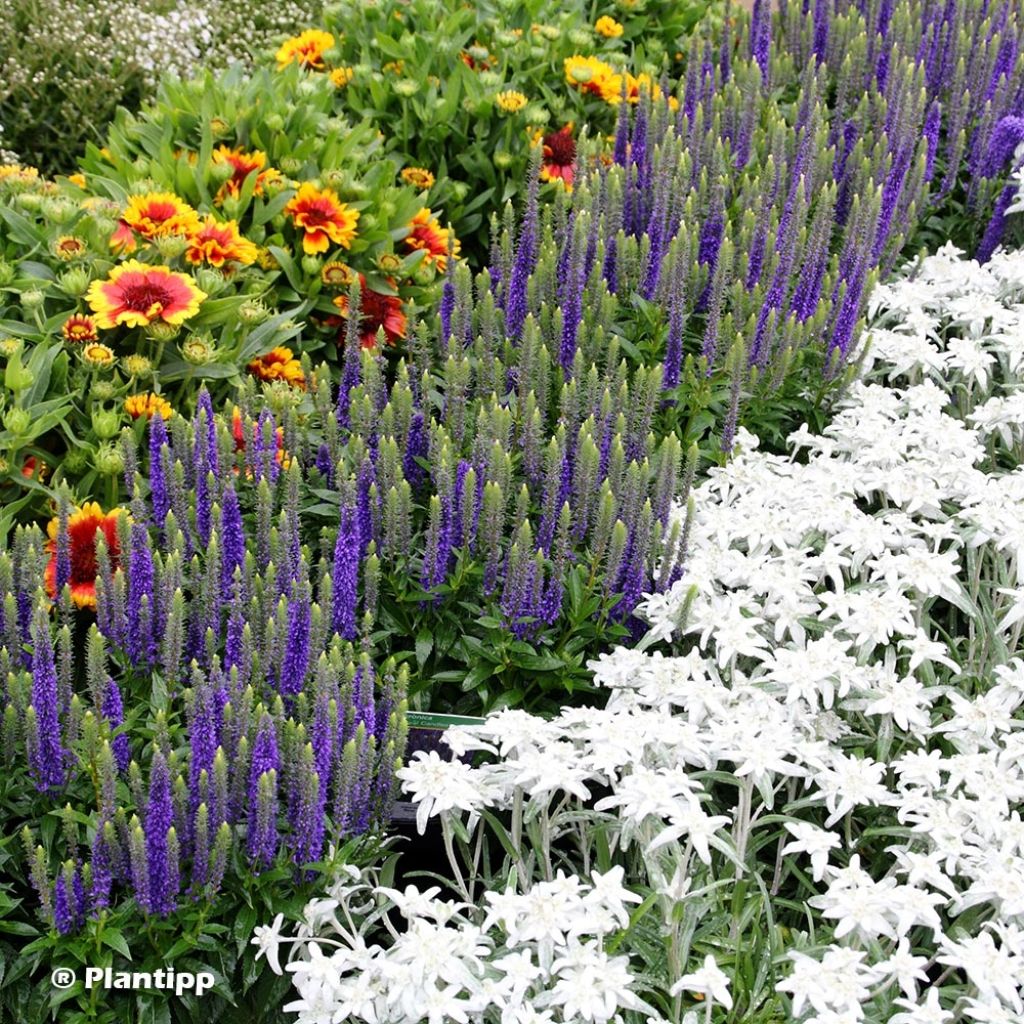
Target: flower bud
x=32, y=299
x=171, y=247
x=290, y=165
x=460, y=190
x=388, y=262
x=406, y=87
x=137, y=366
x=75, y=461
x=18, y=421
x=74, y=282
x=274, y=122
x=252, y=312
x=580, y=40
x=97, y=355
x=6, y=273
x=162, y=331
x=311, y=265
x=211, y=281
x=108, y=460
x=60, y=211
x=9, y=346
x=221, y=170
x=29, y=201
x=102, y=390
x=219, y=128
x=424, y=274
x=198, y=351
x=503, y=159
x=105, y=423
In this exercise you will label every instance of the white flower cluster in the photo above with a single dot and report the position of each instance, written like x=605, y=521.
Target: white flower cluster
x=1017, y=206
x=532, y=955
x=836, y=724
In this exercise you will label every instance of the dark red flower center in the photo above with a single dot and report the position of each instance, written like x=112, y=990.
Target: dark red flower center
x=561, y=147
x=143, y=297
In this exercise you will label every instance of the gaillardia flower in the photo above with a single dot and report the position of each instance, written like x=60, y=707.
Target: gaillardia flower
x=153, y=215
x=336, y=275
x=426, y=233
x=590, y=74
x=243, y=163
x=279, y=364
x=323, y=217
x=559, y=156
x=147, y=405
x=69, y=247
x=97, y=355
x=136, y=295
x=418, y=177
x=340, y=77
x=78, y=328
x=219, y=242
x=83, y=527
x=306, y=49
x=377, y=311
x=608, y=27
x=510, y=101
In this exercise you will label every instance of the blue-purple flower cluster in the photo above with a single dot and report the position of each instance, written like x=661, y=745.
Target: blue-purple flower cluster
x=216, y=714
x=757, y=214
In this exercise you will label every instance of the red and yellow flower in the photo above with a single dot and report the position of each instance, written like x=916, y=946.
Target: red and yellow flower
x=136, y=295
x=637, y=84
x=243, y=163
x=220, y=242
x=238, y=433
x=307, y=48
x=336, y=275
x=148, y=405
x=79, y=328
x=323, y=217
x=69, y=247
x=426, y=234
x=279, y=364
x=377, y=311
x=559, y=156
x=84, y=526
x=154, y=215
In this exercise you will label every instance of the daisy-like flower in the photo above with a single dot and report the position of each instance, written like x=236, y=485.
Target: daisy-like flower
x=97, y=355
x=136, y=295
x=69, y=247
x=426, y=234
x=709, y=980
x=559, y=156
x=608, y=27
x=336, y=274
x=153, y=215
x=323, y=217
x=638, y=84
x=18, y=174
x=79, y=328
x=594, y=76
x=279, y=364
x=340, y=77
x=376, y=311
x=77, y=180
x=83, y=527
x=220, y=242
x=148, y=405
x=510, y=101
x=418, y=177
x=307, y=49
x=243, y=163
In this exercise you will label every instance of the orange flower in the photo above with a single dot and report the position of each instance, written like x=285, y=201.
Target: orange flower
x=418, y=177
x=218, y=243
x=377, y=311
x=427, y=234
x=147, y=405
x=243, y=164
x=559, y=156
x=83, y=527
x=323, y=217
x=34, y=469
x=279, y=364
x=306, y=49
x=154, y=215
x=79, y=328
x=136, y=294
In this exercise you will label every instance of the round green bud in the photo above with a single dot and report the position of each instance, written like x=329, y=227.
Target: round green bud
x=162, y=331
x=105, y=423
x=33, y=298
x=18, y=421
x=108, y=460
x=74, y=282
